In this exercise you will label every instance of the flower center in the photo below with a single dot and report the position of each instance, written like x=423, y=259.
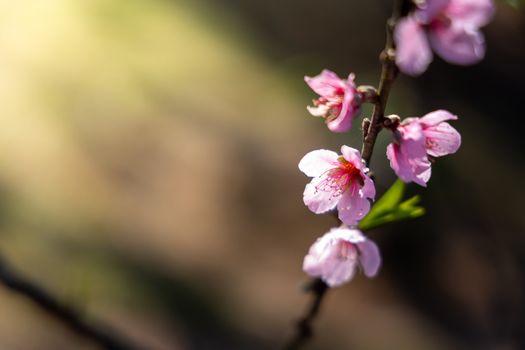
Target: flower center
x=338, y=180
x=442, y=20
x=346, y=251
x=332, y=104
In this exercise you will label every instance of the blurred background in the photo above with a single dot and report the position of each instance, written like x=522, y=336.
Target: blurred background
x=148, y=176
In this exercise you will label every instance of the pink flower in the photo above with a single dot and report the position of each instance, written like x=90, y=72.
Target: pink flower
x=450, y=27
x=339, y=101
x=334, y=256
x=338, y=181
x=416, y=139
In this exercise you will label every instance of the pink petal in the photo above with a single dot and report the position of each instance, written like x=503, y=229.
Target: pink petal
x=325, y=260
x=408, y=158
x=352, y=156
x=334, y=256
x=436, y=117
x=349, y=108
x=313, y=263
x=342, y=123
x=369, y=258
x=413, y=53
x=369, y=189
x=342, y=272
x=325, y=84
x=318, y=111
x=458, y=43
x=399, y=163
x=442, y=139
x=352, y=207
x=423, y=172
x=409, y=161
x=430, y=10
x=319, y=201
x=317, y=162
x=348, y=234
x=411, y=129
x=477, y=13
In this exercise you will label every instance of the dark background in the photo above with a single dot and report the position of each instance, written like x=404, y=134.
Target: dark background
x=148, y=176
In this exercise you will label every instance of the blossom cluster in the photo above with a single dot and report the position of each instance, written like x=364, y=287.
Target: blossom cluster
x=449, y=27
x=342, y=181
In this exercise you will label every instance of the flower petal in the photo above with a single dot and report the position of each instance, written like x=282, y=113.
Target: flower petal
x=334, y=256
x=324, y=259
x=325, y=84
x=348, y=234
x=348, y=110
x=353, y=156
x=436, y=117
x=431, y=9
x=352, y=207
x=413, y=53
x=317, y=162
x=342, y=123
x=319, y=201
x=398, y=162
x=369, y=257
x=342, y=272
x=411, y=129
x=475, y=12
x=458, y=43
x=319, y=251
x=318, y=111
x=369, y=189
x=409, y=161
x=408, y=157
x=442, y=139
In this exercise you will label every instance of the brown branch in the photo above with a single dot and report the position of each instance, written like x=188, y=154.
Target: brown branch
x=371, y=130
x=304, y=325
x=389, y=73
x=102, y=335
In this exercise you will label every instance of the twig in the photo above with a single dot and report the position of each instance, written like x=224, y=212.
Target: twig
x=103, y=335
x=372, y=128
x=304, y=325
x=389, y=73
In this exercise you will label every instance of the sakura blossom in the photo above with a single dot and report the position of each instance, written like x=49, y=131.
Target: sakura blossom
x=338, y=181
x=450, y=27
x=339, y=101
x=418, y=138
x=335, y=256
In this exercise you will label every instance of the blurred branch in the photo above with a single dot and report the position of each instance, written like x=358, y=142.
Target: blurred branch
x=389, y=73
x=304, y=325
x=101, y=334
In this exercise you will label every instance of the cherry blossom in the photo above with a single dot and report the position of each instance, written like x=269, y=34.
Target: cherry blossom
x=418, y=138
x=339, y=101
x=449, y=27
x=338, y=181
x=335, y=255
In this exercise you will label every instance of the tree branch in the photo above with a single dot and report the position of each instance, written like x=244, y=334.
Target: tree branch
x=389, y=71
x=103, y=335
x=304, y=325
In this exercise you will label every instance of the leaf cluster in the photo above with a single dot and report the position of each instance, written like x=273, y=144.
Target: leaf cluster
x=391, y=208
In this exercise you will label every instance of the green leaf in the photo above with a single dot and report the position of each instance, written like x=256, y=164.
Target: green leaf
x=389, y=201
x=389, y=208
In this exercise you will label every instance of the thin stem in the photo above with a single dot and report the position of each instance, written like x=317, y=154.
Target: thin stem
x=372, y=128
x=304, y=325
x=389, y=73
x=102, y=335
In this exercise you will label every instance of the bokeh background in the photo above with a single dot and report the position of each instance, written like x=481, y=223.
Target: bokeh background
x=148, y=176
